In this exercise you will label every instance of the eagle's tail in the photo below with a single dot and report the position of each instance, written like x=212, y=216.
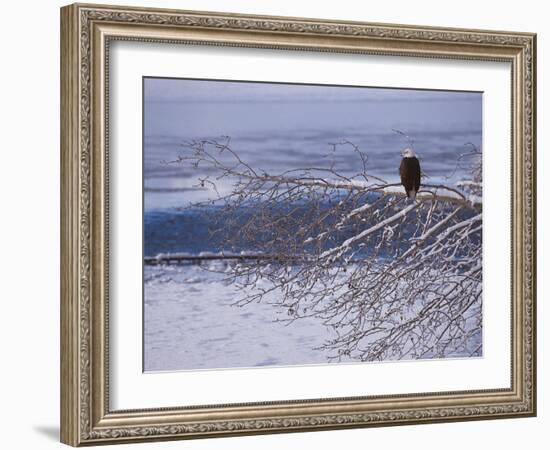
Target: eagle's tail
x=412, y=195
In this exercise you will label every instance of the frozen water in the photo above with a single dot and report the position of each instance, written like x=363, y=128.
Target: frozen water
x=191, y=322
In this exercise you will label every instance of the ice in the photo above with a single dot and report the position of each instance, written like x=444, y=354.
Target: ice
x=190, y=322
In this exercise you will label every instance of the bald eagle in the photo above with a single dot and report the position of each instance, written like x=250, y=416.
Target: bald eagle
x=409, y=170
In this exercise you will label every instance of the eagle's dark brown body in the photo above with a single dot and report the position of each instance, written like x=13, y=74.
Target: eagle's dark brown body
x=409, y=170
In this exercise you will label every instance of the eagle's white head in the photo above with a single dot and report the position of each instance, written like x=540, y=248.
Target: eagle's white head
x=408, y=153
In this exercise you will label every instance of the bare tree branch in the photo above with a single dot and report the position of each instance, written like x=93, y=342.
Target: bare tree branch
x=394, y=279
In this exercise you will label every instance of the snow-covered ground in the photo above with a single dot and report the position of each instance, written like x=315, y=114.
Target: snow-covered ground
x=190, y=322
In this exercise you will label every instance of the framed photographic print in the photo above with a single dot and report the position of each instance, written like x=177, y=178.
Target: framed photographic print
x=276, y=224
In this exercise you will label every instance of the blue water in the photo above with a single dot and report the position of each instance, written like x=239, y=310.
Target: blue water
x=280, y=127
x=193, y=231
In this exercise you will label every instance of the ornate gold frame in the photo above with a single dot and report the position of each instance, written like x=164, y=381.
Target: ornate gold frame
x=86, y=31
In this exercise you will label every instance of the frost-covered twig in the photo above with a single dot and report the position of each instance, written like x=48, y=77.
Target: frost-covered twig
x=392, y=279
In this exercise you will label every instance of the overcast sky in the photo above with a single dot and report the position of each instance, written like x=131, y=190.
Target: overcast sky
x=178, y=90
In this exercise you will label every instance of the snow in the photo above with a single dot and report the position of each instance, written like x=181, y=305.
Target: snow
x=347, y=243
x=161, y=256
x=475, y=200
x=190, y=322
x=469, y=183
x=355, y=212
